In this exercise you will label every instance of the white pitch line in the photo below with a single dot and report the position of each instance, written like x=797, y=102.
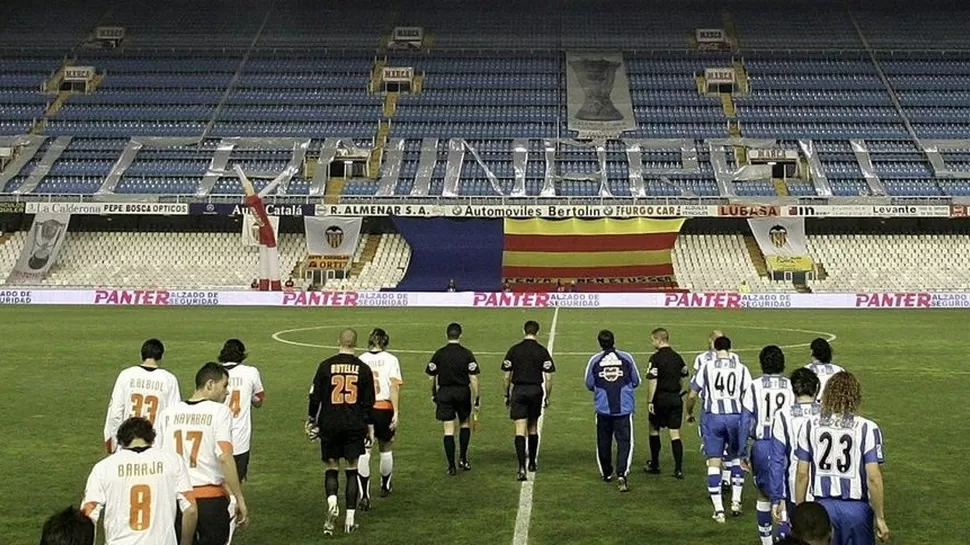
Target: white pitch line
x=523, y=517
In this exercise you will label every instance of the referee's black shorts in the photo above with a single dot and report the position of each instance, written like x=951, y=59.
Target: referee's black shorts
x=452, y=402
x=668, y=415
x=525, y=402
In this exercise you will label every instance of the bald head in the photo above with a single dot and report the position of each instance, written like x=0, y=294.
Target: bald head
x=348, y=339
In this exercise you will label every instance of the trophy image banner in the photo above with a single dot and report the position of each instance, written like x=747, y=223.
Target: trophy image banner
x=46, y=236
x=598, y=91
x=596, y=76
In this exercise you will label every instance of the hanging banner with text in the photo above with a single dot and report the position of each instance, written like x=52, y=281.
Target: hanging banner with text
x=40, y=251
x=783, y=243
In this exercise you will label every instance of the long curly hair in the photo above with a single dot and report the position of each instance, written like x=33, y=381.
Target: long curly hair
x=379, y=339
x=842, y=395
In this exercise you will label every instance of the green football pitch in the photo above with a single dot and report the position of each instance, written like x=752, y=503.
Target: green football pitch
x=59, y=364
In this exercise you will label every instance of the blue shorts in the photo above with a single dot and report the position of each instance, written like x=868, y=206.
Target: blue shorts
x=760, y=465
x=721, y=433
x=852, y=521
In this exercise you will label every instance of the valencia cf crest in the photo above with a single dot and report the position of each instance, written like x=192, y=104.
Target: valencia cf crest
x=778, y=235
x=335, y=236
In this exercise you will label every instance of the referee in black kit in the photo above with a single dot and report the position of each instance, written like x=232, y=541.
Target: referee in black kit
x=666, y=382
x=528, y=384
x=454, y=386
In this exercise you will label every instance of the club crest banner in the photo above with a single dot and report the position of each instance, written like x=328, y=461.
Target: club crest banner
x=250, y=231
x=331, y=236
x=598, y=94
x=42, y=247
x=782, y=241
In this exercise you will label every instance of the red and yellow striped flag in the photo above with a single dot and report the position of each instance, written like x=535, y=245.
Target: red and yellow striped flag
x=633, y=252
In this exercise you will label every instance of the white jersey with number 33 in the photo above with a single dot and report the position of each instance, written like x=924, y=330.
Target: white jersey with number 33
x=139, y=391
x=387, y=371
x=198, y=431
x=139, y=491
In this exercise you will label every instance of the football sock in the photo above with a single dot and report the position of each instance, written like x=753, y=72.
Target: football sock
x=677, y=446
x=450, y=450
x=714, y=488
x=655, y=450
x=363, y=470
x=387, y=467
x=350, y=518
x=464, y=437
x=764, y=522
x=533, y=448
x=352, y=492
x=520, y=450
x=737, y=481
x=331, y=486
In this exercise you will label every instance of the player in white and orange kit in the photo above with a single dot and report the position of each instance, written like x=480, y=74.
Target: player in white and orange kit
x=139, y=489
x=200, y=431
x=143, y=390
x=384, y=416
x=245, y=393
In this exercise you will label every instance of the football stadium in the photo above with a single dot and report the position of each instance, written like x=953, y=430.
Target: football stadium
x=744, y=221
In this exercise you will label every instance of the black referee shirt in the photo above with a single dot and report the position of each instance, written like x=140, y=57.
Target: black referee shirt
x=527, y=361
x=667, y=368
x=453, y=364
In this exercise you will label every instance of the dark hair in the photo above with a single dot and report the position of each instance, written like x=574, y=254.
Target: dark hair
x=135, y=427
x=772, y=360
x=378, y=339
x=68, y=527
x=210, y=371
x=531, y=327
x=453, y=331
x=810, y=522
x=606, y=339
x=234, y=351
x=804, y=382
x=822, y=350
x=722, y=343
x=152, y=349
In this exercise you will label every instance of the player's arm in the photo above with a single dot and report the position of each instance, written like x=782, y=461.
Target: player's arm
x=186, y=502
x=801, y=481
x=259, y=394
x=776, y=468
x=590, y=375
x=223, y=428
x=876, y=499
x=95, y=497
x=473, y=383
x=802, y=472
x=548, y=369
x=432, y=371
x=366, y=383
x=696, y=384
x=547, y=381
x=115, y=415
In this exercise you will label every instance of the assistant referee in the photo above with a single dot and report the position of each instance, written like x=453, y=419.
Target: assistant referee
x=528, y=384
x=666, y=380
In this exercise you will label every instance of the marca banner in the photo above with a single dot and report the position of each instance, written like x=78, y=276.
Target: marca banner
x=635, y=252
x=42, y=247
x=250, y=231
x=598, y=94
x=782, y=241
x=332, y=236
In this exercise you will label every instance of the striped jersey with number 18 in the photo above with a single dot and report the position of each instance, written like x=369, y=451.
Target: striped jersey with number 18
x=768, y=395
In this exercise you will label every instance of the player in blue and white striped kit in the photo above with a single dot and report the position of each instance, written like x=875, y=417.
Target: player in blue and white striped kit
x=785, y=427
x=699, y=361
x=722, y=384
x=769, y=394
x=822, y=363
x=839, y=453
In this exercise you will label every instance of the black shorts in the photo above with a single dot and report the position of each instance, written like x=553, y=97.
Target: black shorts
x=346, y=444
x=242, y=464
x=454, y=401
x=381, y=418
x=669, y=416
x=214, y=521
x=525, y=402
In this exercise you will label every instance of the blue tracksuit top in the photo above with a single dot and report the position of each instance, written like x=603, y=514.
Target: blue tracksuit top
x=612, y=376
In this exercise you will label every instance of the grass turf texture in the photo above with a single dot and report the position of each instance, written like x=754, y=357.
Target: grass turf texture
x=59, y=365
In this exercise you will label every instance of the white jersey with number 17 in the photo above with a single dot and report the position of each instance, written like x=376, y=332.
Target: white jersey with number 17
x=387, y=371
x=199, y=432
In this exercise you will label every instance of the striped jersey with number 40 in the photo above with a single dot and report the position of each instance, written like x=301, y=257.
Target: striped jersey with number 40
x=139, y=391
x=723, y=384
x=838, y=449
x=199, y=432
x=138, y=491
x=768, y=395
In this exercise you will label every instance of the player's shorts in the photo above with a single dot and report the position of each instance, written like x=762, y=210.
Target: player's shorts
x=721, y=433
x=242, y=464
x=454, y=401
x=346, y=444
x=525, y=402
x=852, y=521
x=381, y=419
x=669, y=416
x=761, y=465
x=213, y=527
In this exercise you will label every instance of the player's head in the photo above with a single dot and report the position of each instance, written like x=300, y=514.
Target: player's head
x=842, y=394
x=152, y=349
x=378, y=339
x=821, y=350
x=453, y=331
x=133, y=429
x=212, y=382
x=659, y=337
x=348, y=339
x=531, y=328
x=772, y=360
x=605, y=339
x=811, y=524
x=714, y=334
x=68, y=527
x=722, y=344
x=234, y=351
x=805, y=383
